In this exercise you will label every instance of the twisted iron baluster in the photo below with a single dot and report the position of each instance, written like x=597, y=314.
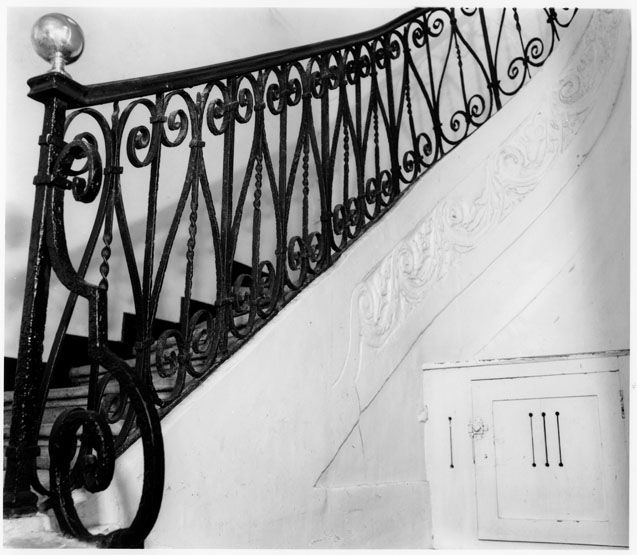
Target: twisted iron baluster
x=256, y=224
x=95, y=472
x=413, y=164
x=345, y=161
x=454, y=32
x=186, y=329
x=393, y=128
x=377, y=174
x=430, y=29
x=306, y=207
x=493, y=83
x=525, y=58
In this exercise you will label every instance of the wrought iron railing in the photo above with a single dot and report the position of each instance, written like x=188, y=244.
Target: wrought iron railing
x=289, y=157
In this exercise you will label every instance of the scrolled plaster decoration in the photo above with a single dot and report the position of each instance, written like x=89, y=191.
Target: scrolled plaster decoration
x=584, y=76
x=457, y=224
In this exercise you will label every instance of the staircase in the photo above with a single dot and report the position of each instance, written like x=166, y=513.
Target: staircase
x=76, y=393
x=63, y=398
x=328, y=157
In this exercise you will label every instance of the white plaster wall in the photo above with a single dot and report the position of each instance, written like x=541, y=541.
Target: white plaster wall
x=311, y=435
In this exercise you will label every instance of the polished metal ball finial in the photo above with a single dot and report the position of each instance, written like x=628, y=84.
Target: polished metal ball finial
x=58, y=39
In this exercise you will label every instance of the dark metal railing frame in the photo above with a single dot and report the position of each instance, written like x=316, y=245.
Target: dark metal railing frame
x=329, y=68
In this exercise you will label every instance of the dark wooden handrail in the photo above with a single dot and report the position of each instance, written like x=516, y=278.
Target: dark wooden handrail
x=78, y=95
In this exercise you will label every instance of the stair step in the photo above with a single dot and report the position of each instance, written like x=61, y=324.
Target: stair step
x=42, y=461
x=80, y=376
x=55, y=394
x=42, y=529
x=52, y=409
x=37, y=531
x=45, y=430
x=60, y=399
x=68, y=394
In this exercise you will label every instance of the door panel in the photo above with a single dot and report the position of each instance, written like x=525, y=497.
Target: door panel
x=542, y=474
x=551, y=465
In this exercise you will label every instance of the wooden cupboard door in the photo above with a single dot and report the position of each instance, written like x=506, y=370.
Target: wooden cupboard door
x=551, y=461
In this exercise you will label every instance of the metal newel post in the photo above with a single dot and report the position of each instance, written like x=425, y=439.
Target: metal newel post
x=59, y=40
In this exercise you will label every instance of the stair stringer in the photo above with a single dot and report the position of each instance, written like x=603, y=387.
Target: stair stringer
x=249, y=452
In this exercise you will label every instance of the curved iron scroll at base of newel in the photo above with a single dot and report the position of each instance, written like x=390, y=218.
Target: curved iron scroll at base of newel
x=95, y=465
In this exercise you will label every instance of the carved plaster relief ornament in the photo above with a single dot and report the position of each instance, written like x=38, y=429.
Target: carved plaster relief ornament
x=456, y=225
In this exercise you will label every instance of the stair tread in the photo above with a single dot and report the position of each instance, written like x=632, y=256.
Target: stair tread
x=69, y=401
x=20, y=535
x=74, y=396
x=85, y=370
x=81, y=391
x=57, y=393
x=45, y=430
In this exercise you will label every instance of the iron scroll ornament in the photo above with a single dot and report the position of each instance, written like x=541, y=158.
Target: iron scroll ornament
x=94, y=461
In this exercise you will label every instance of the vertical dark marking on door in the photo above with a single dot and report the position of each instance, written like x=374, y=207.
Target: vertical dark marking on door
x=559, y=438
x=546, y=448
x=532, y=439
x=450, y=445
